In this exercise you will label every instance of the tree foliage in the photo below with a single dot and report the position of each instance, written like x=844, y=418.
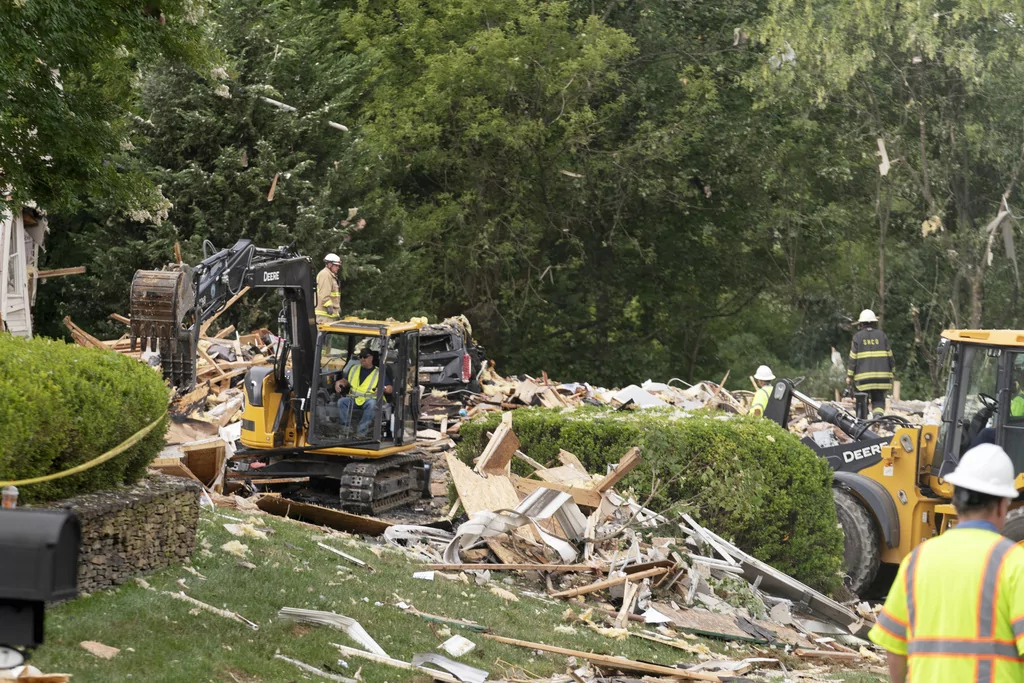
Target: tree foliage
x=609, y=191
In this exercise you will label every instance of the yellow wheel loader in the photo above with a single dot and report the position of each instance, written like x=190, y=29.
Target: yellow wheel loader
x=360, y=441
x=889, y=491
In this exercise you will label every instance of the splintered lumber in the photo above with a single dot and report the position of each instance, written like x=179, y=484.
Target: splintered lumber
x=566, y=474
x=329, y=517
x=570, y=460
x=583, y=497
x=620, y=663
x=231, y=301
x=59, y=272
x=630, y=460
x=120, y=318
x=498, y=453
x=222, y=334
x=396, y=663
x=81, y=337
x=520, y=567
x=608, y=583
x=213, y=364
x=827, y=654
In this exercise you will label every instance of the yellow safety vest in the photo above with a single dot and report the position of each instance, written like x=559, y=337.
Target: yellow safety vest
x=362, y=390
x=760, y=401
x=956, y=609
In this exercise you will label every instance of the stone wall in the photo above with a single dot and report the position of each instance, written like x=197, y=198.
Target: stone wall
x=138, y=529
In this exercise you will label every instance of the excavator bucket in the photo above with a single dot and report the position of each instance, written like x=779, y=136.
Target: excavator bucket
x=162, y=303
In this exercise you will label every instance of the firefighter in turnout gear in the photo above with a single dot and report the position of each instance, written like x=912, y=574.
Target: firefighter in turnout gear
x=872, y=363
x=956, y=609
x=763, y=377
x=328, y=291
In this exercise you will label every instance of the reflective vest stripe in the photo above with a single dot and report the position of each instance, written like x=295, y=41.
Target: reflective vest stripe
x=1018, y=628
x=963, y=648
x=893, y=627
x=909, y=590
x=990, y=588
x=873, y=375
x=870, y=354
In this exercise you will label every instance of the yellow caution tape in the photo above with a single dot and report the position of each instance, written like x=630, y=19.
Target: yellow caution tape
x=99, y=460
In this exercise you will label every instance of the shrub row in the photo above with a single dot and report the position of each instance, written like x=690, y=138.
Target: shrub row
x=747, y=479
x=62, y=405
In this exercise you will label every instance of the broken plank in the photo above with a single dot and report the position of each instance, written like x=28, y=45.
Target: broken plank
x=704, y=536
x=517, y=567
x=528, y=460
x=396, y=663
x=827, y=654
x=630, y=460
x=582, y=497
x=570, y=460
x=315, y=514
x=213, y=364
x=120, y=318
x=60, y=272
x=498, y=453
x=81, y=337
x=566, y=474
x=620, y=663
x=608, y=583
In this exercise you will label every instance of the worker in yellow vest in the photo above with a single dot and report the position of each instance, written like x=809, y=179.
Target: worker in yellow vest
x=764, y=378
x=361, y=385
x=956, y=609
x=328, y=291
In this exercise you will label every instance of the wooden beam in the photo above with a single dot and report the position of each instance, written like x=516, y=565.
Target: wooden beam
x=225, y=332
x=177, y=252
x=620, y=663
x=59, y=272
x=229, y=304
x=608, y=583
x=120, y=318
x=82, y=337
x=630, y=460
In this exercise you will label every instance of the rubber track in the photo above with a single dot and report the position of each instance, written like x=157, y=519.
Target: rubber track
x=359, y=479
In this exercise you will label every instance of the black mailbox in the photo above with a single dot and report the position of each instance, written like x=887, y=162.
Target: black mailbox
x=39, y=551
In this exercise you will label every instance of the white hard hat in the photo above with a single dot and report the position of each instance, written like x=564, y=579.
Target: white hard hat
x=986, y=468
x=332, y=258
x=867, y=316
x=764, y=373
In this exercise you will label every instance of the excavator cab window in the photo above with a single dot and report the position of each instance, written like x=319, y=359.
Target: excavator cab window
x=360, y=415
x=1013, y=429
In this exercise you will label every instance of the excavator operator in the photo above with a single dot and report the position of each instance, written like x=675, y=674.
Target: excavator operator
x=361, y=385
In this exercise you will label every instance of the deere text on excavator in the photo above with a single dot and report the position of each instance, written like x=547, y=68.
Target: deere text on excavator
x=890, y=492
x=294, y=423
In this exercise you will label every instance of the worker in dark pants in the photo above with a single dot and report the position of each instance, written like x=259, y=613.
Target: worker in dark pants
x=871, y=362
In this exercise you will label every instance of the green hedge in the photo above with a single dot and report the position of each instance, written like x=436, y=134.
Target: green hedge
x=62, y=405
x=747, y=479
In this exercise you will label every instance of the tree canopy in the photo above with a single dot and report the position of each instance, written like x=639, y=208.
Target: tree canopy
x=608, y=191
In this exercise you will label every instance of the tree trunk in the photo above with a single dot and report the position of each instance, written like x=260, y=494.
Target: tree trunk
x=883, y=207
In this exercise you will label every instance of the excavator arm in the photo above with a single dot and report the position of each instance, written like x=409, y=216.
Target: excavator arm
x=169, y=307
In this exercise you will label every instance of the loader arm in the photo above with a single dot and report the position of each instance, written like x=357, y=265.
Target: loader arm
x=169, y=307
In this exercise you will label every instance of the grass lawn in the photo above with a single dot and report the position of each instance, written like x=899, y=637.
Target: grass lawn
x=163, y=639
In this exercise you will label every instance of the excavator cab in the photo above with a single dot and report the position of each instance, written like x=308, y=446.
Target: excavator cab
x=378, y=408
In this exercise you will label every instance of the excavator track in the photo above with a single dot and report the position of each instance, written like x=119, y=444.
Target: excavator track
x=374, y=486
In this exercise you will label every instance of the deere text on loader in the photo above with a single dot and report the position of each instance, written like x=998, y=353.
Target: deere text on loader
x=291, y=422
x=889, y=492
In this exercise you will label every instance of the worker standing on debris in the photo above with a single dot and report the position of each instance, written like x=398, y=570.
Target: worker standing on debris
x=763, y=377
x=956, y=609
x=328, y=291
x=872, y=362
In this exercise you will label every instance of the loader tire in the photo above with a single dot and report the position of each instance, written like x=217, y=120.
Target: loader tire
x=862, y=545
x=1014, y=527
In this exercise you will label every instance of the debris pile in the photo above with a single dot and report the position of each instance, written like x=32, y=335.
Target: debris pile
x=624, y=570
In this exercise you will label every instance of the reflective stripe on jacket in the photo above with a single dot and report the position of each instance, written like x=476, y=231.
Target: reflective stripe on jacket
x=956, y=609
x=361, y=391
x=871, y=361
x=328, y=296
x=760, y=401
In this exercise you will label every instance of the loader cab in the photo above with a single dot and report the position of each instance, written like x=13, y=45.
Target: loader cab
x=986, y=373
x=372, y=356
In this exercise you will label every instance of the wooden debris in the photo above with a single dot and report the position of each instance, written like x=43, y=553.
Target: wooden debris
x=608, y=583
x=626, y=464
x=498, y=453
x=315, y=514
x=99, y=649
x=620, y=663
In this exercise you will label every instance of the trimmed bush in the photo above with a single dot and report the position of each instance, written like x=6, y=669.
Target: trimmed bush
x=62, y=405
x=747, y=479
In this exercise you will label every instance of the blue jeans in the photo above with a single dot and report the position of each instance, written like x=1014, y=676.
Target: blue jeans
x=346, y=404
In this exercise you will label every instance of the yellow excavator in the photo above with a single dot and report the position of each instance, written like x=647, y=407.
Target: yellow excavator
x=294, y=423
x=889, y=491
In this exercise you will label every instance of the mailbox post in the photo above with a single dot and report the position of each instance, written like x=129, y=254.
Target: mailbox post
x=38, y=564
